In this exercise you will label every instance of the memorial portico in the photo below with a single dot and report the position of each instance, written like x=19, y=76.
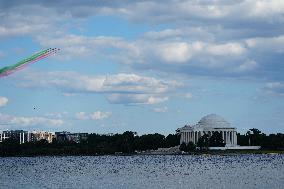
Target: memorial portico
x=207, y=125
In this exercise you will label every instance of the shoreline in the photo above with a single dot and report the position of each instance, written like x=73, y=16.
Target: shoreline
x=204, y=153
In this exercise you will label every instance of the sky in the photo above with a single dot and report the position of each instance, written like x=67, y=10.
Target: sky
x=143, y=66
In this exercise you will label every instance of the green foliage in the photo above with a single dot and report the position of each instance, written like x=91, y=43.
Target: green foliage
x=172, y=140
x=190, y=147
x=216, y=140
x=182, y=147
x=255, y=137
x=127, y=143
x=203, y=142
x=187, y=147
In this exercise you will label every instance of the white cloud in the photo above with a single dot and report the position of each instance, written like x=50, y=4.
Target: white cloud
x=97, y=115
x=156, y=53
x=264, y=44
x=222, y=35
x=274, y=88
x=227, y=49
x=119, y=88
x=174, y=52
x=136, y=99
x=124, y=83
x=188, y=95
x=161, y=109
x=82, y=46
x=82, y=116
x=56, y=114
x=22, y=121
x=266, y=9
x=3, y=101
x=247, y=66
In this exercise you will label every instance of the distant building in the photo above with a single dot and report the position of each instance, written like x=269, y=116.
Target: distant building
x=41, y=135
x=19, y=135
x=207, y=125
x=65, y=136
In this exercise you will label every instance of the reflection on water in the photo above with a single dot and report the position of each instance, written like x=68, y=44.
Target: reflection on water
x=241, y=171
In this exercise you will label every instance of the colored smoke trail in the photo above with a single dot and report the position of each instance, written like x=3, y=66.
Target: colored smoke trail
x=27, y=61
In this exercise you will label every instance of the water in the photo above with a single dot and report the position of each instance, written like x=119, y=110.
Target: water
x=240, y=171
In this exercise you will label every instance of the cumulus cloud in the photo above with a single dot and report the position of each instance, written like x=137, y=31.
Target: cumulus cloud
x=264, y=44
x=136, y=99
x=161, y=109
x=3, y=101
x=247, y=66
x=223, y=38
x=56, y=114
x=274, y=88
x=21, y=121
x=79, y=45
x=97, y=115
x=81, y=116
x=119, y=88
x=188, y=95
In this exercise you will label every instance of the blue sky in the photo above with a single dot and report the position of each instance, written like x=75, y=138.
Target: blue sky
x=143, y=66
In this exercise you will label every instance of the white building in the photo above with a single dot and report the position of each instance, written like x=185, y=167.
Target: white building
x=41, y=135
x=26, y=136
x=207, y=125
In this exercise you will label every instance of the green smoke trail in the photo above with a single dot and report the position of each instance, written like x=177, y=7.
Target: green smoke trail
x=37, y=56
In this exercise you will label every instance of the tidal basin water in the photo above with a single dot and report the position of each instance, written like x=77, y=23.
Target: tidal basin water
x=234, y=171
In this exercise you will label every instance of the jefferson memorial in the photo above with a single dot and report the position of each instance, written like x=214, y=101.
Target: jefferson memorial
x=207, y=125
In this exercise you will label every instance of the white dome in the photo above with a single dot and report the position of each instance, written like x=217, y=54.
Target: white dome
x=213, y=121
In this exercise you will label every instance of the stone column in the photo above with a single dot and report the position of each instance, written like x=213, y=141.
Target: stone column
x=229, y=137
x=232, y=137
x=20, y=138
x=236, y=138
x=226, y=137
x=188, y=137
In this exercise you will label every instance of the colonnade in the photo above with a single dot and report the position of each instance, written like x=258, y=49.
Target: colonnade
x=229, y=137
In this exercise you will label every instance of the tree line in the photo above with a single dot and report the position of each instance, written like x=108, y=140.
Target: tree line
x=254, y=137
x=127, y=143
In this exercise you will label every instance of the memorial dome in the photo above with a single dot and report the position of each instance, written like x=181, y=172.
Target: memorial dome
x=213, y=121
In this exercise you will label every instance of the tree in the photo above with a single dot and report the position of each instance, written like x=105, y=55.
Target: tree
x=182, y=147
x=172, y=140
x=190, y=147
x=216, y=140
x=203, y=142
x=255, y=137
